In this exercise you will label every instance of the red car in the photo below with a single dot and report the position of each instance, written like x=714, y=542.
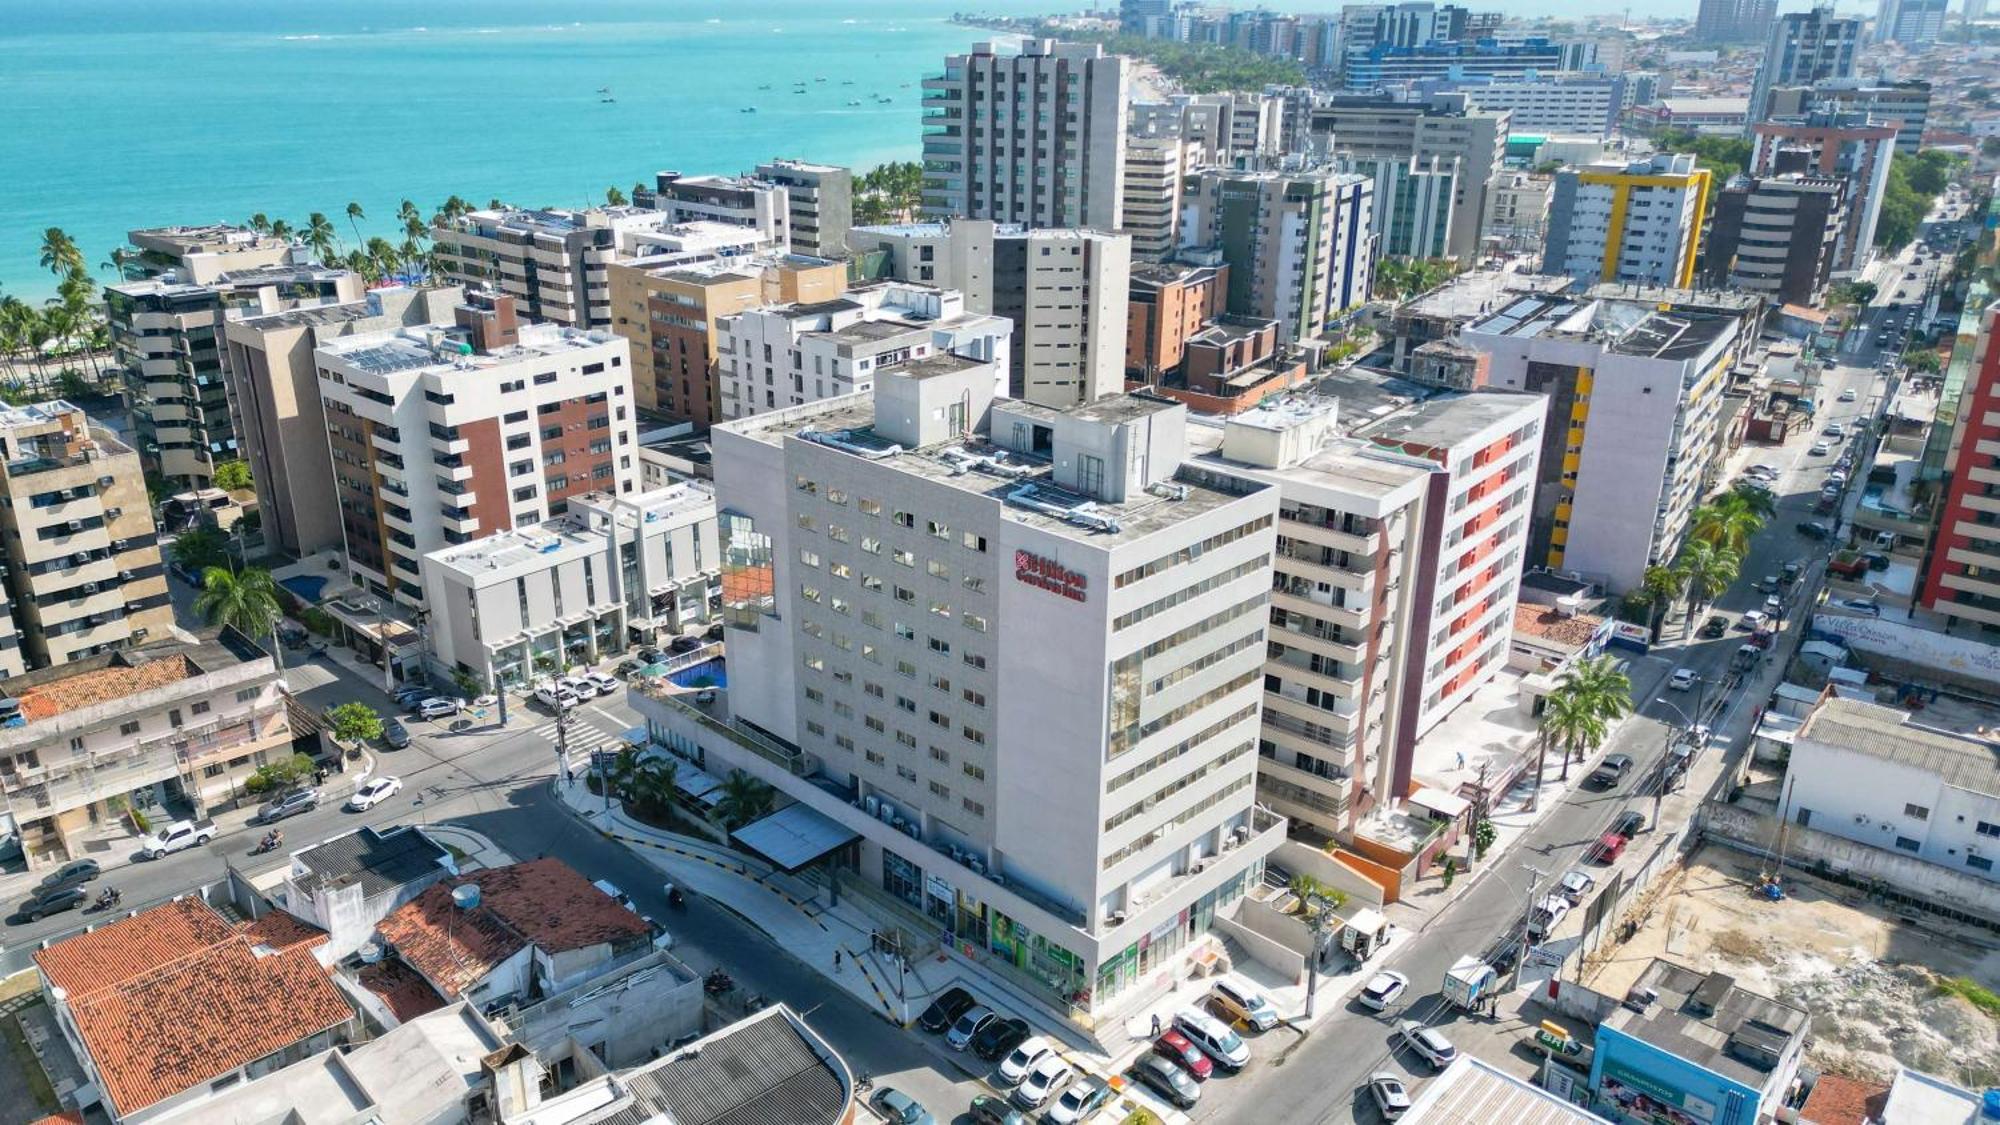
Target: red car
x=1609, y=847
x=1175, y=1048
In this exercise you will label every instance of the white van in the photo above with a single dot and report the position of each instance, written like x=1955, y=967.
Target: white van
x=1213, y=1038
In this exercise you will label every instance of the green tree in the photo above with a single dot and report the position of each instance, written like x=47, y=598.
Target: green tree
x=744, y=799
x=1483, y=835
x=1658, y=587
x=1449, y=870
x=1707, y=570
x=232, y=476
x=354, y=217
x=1922, y=360
x=60, y=255
x=1724, y=156
x=1851, y=293
x=200, y=549
x=280, y=775
x=1728, y=521
x=1756, y=501
x=354, y=723
x=614, y=197
x=652, y=784
x=320, y=236
x=1197, y=68
x=246, y=601
x=889, y=192
x=1577, y=714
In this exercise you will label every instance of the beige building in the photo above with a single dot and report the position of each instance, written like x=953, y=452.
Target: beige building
x=669, y=315
x=175, y=725
x=1154, y=170
x=281, y=420
x=199, y=255
x=83, y=571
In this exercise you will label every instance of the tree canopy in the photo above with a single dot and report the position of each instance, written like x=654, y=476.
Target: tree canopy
x=1915, y=180
x=1724, y=156
x=1198, y=68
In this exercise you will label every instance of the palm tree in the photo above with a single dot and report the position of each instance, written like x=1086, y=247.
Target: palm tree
x=319, y=235
x=15, y=314
x=1754, y=500
x=1705, y=571
x=60, y=255
x=362, y=264
x=1571, y=726
x=383, y=255
x=1724, y=524
x=1661, y=586
x=653, y=783
x=261, y=223
x=354, y=217
x=613, y=197
x=744, y=799
x=247, y=601
x=281, y=229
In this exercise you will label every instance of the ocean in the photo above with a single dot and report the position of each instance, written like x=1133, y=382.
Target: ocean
x=131, y=113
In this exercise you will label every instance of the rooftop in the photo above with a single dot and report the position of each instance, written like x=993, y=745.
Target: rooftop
x=122, y=674
x=1666, y=336
x=174, y=997
x=1472, y=1089
x=1888, y=734
x=430, y=348
x=1475, y=292
x=526, y=550
x=1836, y=1100
x=1566, y=630
x=1916, y=1098
x=1707, y=1020
x=378, y=861
x=544, y=903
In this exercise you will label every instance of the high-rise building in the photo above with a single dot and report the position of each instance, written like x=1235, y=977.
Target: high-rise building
x=669, y=313
x=1635, y=223
x=1240, y=130
x=777, y=357
x=1587, y=105
x=1064, y=291
x=1142, y=17
x=1517, y=209
x=1634, y=382
x=1912, y=23
x=440, y=435
x=1300, y=246
x=553, y=263
x=1170, y=303
x=1964, y=554
x=1035, y=138
x=737, y=201
x=1413, y=202
x=1847, y=146
x=1384, y=67
x=83, y=573
x=1734, y=21
x=1804, y=48
x=822, y=204
x=1907, y=104
x=281, y=417
x=1776, y=236
x=167, y=334
x=1436, y=133
x=1155, y=168
x=918, y=587
x=199, y=255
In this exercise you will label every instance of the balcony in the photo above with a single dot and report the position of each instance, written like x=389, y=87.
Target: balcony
x=1323, y=535
x=1311, y=606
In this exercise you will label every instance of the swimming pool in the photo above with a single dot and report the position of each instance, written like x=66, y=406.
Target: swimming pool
x=712, y=673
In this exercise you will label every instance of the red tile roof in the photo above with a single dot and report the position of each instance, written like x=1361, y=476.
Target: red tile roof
x=544, y=903
x=406, y=994
x=281, y=931
x=1570, y=630
x=101, y=685
x=66, y=1117
x=1843, y=1101
x=175, y=997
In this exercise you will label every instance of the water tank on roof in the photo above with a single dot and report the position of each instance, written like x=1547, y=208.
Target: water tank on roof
x=465, y=896
x=1989, y=1105
x=370, y=953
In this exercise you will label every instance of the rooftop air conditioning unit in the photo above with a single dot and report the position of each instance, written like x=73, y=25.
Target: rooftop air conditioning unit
x=90, y=587
x=106, y=482
x=80, y=557
x=76, y=525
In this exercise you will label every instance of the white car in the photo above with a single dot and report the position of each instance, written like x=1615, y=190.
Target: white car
x=579, y=686
x=1032, y=1050
x=1078, y=1103
x=1384, y=989
x=1753, y=620
x=1575, y=884
x=1392, y=1098
x=604, y=684
x=437, y=707
x=1428, y=1042
x=1684, y=679
x=1547, y=915
x=1763, y=470
x=1848, y=395
x=1048, y=1076
x=555, y=697
x=373, y=792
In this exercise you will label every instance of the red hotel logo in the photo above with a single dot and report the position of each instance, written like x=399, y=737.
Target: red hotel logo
x=1050, y=575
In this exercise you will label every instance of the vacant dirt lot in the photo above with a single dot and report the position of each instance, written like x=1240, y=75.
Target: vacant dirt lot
x=1869, y=979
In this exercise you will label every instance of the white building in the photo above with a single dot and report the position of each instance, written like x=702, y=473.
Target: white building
x=1037, y=137
x=1637, y=222
x=1913, y=23
x=822, y=204
x=1581, y=104
x=737, y=201
x=1874, y=775
x=1155, y=168
x=552, y=262
x=1301, y=246
x=1517, y=209
x=615, y=571
x=1413, y=201
x=780, y=356
x=938, y=603
x=1241, y=129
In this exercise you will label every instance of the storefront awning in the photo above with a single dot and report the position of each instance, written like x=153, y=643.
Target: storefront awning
x=794, y=836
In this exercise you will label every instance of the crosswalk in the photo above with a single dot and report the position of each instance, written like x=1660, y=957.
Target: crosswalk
x=583, y=739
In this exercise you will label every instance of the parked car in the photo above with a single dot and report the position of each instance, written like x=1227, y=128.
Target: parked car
x=1176, y=1049
x=1835, y=431
x=437, y=707
x=1752, y=620
x=687, y=643
x=968, y=1025
x=1608, y=848
x=1790, y=574
x=1244, y=1002
x=1043, y=1082
x=604, y=684
x=1849, y=395
x=52, y=900
x=1876, y=560
x=373, y=792
x=555, y=697
x=1867, y=606
x=1079, y=1102
x=1611, y=770
x=1683, y=679
x=1575, y=884
x=1820, y=449
x=627, y=669
x=1391, y=1097
x=291, y=804
x=898, y=1108
x=179, y=835
x=580, y=686
x=1215, y=1038
x=1428, y=1042
x=945, y=1010
x=1383, y=989
x=1715, y=626
x=395, y=735
x=1546, y=916
x=1629, y=823
x=1031, y=1051
x=1000, y=1037
x=73, y=873
x=1774, y=605
x=651, y=655
x=1166, y=1080
x=989, y=1110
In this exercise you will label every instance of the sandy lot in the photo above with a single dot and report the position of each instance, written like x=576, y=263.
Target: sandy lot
x=1868, y=978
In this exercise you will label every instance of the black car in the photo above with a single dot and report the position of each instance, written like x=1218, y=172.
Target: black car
x=999, y=1037
x=1715, y=626
x=52, y=900
x=74, y=873
x=1815, y=530
x=1876, y=560
x=1628, y=824
x=651, y=655
x=1166, y=1080
x=945, y=1010
x=395, y=735
x=687, y=643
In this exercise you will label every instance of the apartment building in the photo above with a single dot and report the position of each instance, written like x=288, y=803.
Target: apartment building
x=1844, y=145
x=1582, y=105
x=198, y=255
x=1063, y=291
x=1240, y=130
x=1155, y=168
x=614, y=571
x=1517, y=209
x=1907, y=104
x=1300, y=246
x=1634, y=381
x=173, y=722
x=440, y=435
x=554, y=263
x=1777, y=236
x=1735, y=21
x=738, y=201
x=779, y=356
x=1413, y=202
x=1169, y=304
x=917, y=585
x=280, y=416
x=1388, y=67
x=822, y=204
x=1804, y=48
x=1443, y=131
x=1913, y=23
x=1637, y=222
x=1037, y=137
x=669, y=314
x=1964, y=554
x=167, y=333
x=82, y=557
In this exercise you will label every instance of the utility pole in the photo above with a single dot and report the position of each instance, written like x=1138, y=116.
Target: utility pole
x=1318, y=925
x=1535, y=877
x=1478, y=818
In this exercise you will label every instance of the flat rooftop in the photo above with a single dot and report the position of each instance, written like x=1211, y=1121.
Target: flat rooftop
x=1475, y=292
x=377, y=861
x=1960, y=760
x=524, y=550
x=411, y=349
x=1708, y=1020
x=1668, y=336
x=1448, y=419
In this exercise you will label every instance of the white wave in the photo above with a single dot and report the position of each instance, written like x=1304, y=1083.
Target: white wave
x=300, y=38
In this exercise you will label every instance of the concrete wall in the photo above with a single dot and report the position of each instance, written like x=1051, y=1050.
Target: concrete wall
x=1895, y=647
x=1273, y=954
x=655, y=1002
x=1303, y=860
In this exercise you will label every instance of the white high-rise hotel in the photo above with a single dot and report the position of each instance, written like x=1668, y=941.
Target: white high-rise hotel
x=1013, y=654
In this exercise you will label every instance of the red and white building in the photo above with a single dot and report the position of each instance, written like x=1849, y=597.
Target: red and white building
x=1962, y=573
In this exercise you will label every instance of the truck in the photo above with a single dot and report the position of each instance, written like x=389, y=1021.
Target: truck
x=178, y=835
x=1468, y=982
x=1364, y=933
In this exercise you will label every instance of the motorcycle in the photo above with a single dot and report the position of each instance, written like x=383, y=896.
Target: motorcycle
x=676, y=899
x=109, y=898
x=269, y=843
x=717, y=983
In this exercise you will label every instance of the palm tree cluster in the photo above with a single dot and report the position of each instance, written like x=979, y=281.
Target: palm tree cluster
x=1577, y=715
x=889, y=193
x=377, y=258
x=1407, y=277
x=1711, y=559
x=66, y=325
x=644, y=781
x=246, y=600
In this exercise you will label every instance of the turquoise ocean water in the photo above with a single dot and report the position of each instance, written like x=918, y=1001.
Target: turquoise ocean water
x=128, y=113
